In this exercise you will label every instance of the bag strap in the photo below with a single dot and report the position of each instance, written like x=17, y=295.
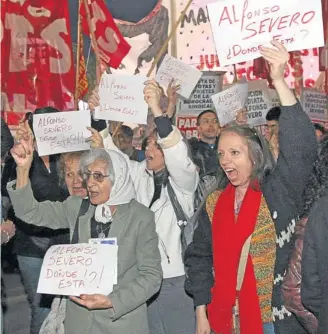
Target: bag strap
x=83, y=209
x=243, y=262
x=180, y=214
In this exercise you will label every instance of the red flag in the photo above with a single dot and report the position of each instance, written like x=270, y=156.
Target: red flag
x=111, y=44
x=37, y=60
x=82, y=84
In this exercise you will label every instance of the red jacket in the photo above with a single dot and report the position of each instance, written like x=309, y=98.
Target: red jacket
x=291, y=288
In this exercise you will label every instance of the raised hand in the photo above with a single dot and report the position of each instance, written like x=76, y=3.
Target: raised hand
x=95, y=140
x=172, y=92
x=93, y=302
x=277, y=58
x=7, y=231
x=94, y=100
x=22, y=151
x=153, y=93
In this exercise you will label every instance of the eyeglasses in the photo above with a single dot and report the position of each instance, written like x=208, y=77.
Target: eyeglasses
x=98, y=177
x=208, y=121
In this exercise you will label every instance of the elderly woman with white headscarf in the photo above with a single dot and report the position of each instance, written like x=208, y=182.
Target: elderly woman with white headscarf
x=111, y=211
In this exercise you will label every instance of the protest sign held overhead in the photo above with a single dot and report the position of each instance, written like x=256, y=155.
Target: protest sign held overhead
x=182, y=74
x=260, y=100
x=122, y=99
x=315, y=104
x=209, y=84
x=61, y=132
x=70, y=270
x=229, y=102
x=241, y=27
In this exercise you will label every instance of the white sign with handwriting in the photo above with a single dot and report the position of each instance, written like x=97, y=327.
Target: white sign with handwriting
x=241, y=27
x=71, y=270
x=182, y=74
x=61, y=132
x=122, y=99
x=229, y=102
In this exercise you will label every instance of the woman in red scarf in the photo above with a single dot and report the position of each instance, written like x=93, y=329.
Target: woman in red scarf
x=234, y=217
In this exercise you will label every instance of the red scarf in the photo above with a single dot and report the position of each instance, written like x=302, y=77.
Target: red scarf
x=228, y=239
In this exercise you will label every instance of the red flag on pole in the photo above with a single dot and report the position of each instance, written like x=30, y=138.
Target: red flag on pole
x=111, y=44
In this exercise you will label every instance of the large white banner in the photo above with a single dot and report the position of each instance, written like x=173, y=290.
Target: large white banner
x=241, y=27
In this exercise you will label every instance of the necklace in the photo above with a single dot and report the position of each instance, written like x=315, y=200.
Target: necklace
x=238, y=204
x=237, y=207
x=101, y=232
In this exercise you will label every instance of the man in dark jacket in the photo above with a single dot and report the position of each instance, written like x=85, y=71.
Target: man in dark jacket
x=204, y=153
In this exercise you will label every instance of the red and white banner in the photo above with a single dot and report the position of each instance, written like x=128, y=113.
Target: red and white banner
x=187, y=125
x=37, y=61
x=111, y=44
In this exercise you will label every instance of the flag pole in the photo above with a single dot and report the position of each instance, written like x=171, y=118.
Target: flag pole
x=93, y=41
x=163, y=48
x=78, y=54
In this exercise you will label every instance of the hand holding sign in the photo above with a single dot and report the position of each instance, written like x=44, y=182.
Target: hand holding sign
x=153, y=93
x=95, y=139
x=93, y=302
x=277, y=59
x=172, y=92
x=94, y=99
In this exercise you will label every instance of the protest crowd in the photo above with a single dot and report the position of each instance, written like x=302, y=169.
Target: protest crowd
x=123, y=213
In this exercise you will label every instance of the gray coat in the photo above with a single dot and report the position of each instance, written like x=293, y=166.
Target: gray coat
x=139, y=263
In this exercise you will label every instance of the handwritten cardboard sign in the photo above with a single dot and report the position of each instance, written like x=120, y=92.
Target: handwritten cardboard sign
x=315, y=104
x=78, y=268
x=260, y=100
x=241, y=27
x=209, y=84
x=229, y=102
x=183, y=74
x=122, y=98
x=62, y=132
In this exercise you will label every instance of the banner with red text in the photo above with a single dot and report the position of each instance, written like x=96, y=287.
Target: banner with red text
x=187, y=125
x=241, y=27
x=37, y=62
x=193, y=42
x=111, y=44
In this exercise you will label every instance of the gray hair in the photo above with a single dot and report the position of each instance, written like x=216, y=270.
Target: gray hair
x=259, y=151
x=63, y=160
x=89, y=157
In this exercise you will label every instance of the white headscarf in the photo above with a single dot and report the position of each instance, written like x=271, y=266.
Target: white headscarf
x=122, y=190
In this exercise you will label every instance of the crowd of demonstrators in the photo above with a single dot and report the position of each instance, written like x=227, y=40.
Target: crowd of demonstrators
x=31, y=243
x=112, y=210
x=165, y=182
x=213, y=259
x=221, y=272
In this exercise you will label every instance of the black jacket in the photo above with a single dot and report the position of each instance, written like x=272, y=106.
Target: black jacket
x=314, y=288
x=31, y=240
x=204, y=156
x=283, y=190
